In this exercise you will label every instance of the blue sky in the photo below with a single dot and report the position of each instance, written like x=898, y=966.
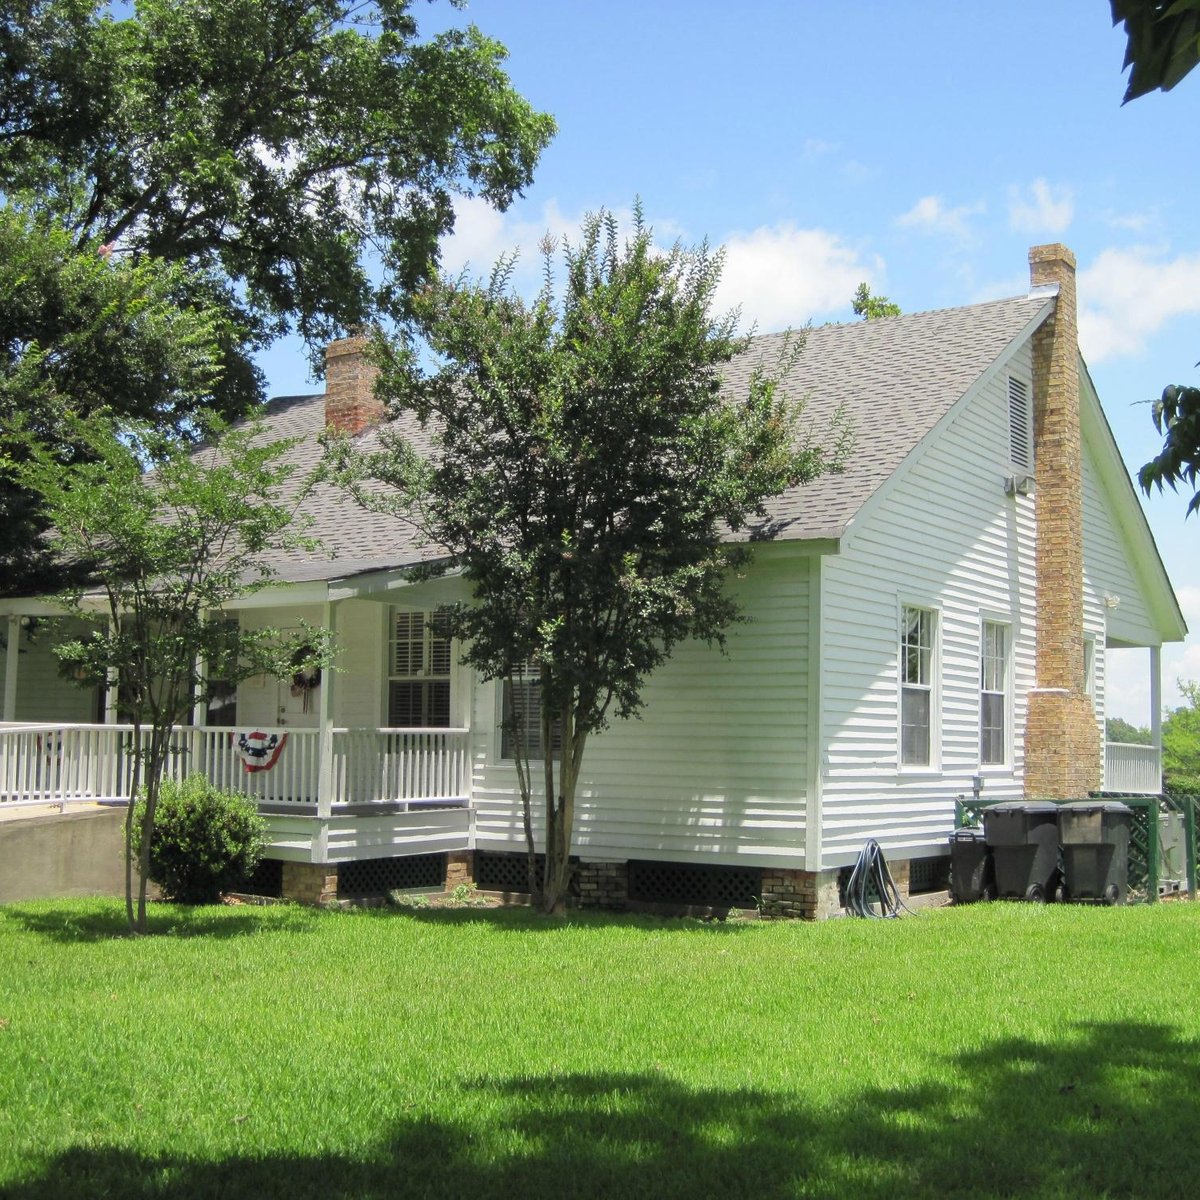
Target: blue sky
x=921, y=146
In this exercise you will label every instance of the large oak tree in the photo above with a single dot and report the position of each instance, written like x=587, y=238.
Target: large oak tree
x=299, y=158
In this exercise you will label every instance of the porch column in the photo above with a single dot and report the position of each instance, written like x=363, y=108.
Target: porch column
x=325, y=774
x=112, y=687
x=12, y=655
x=1156, y=709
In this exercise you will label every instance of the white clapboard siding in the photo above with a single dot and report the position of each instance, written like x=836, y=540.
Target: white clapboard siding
x=44, y=694
x=948, y=538
x=361, y=836
x=716, y=766
x=1107, y=571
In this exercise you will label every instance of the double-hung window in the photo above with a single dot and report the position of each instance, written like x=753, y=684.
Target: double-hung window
x=418, y=670
x=917, y=634
x=521, y=710
x=993, y=694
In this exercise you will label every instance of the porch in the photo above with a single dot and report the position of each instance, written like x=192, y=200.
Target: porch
x=1134, y=770
x=358, y=793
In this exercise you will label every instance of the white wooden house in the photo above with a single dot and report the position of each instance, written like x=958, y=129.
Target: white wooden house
x=933, y=621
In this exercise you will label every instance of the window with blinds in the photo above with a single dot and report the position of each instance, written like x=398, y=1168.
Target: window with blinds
x=1020, y=434
x=521, y=710
x=419, y=659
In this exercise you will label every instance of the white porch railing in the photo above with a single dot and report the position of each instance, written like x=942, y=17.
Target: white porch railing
x=1136, y=770
x=63, y=763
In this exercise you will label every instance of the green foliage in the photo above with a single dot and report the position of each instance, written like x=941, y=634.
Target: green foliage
x=870, y=307
x=205, y=841
x=1163, y=42
x=586, y=471
x=82, y=332
x=162, y=552
x=1177, y=418
x=1181, y=744
x=269, y=142
x=296, y=160
x=1117, y=729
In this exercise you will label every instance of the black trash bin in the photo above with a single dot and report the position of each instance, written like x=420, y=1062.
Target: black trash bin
x=1094, y=835
x=1023, y=838
x=970, y=867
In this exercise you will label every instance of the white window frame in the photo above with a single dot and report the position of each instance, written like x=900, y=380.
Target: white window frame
x=1005, y=691
x=428, y=671
x=930, y=685
x=1089, y=668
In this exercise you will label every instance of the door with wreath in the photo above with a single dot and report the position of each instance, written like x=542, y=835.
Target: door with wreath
x=298, y=695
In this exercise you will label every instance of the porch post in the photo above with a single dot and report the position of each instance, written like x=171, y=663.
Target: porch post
x=325, y=774
x=113, y=687
x=1156, y=709
x=12, y=655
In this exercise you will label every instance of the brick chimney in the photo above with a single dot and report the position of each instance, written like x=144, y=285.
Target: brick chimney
x=1062, y=738
x=350, y=403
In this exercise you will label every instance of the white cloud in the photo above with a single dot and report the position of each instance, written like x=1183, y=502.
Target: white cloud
x=930, y=214
x=1043, y=209
x=1127, y=295
x=781, y=275
x=482, y=235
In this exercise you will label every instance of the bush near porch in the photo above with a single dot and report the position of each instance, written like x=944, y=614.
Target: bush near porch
x=995, y=1050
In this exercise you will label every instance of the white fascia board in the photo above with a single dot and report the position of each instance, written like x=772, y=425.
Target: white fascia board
x=998, y=364
x=399, y=587
x=281, y=595
x=1118, y=487
x=47, y=606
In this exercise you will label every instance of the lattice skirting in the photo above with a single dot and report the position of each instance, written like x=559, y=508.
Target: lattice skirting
x=694, y=884
x=378, y=876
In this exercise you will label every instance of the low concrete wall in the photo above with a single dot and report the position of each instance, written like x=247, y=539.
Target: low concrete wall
x=63, y=854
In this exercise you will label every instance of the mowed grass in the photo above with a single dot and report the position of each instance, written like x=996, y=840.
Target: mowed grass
x=1000, y=1050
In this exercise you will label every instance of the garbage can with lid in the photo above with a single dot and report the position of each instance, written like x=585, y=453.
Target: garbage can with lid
x=1023, y=838
x=970, y=867
x=1095, y=844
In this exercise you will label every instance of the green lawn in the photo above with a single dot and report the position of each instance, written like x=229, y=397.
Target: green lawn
x=1002, y=1050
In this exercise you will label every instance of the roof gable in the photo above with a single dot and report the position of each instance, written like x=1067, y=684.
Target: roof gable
x=895, y=379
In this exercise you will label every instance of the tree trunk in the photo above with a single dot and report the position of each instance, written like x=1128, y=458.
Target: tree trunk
x=130, y=814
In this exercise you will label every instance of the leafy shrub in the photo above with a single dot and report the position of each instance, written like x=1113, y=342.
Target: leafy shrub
x=205, y=841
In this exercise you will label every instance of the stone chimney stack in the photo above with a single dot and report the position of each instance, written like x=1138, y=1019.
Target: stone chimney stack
x=350, y=403
x=1062, y=738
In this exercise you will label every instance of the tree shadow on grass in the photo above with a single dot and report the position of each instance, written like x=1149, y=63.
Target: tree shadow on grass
x=1103, y=1110
x=66, y=922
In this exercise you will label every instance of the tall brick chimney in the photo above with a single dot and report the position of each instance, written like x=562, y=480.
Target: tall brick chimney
x=1062, y=739
x=350, y=403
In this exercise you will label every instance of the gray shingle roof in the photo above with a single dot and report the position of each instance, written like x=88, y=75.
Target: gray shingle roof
x=893, y=378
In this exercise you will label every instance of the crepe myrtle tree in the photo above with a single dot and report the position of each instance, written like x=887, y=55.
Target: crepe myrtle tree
x=587, y=470
x=167, y=536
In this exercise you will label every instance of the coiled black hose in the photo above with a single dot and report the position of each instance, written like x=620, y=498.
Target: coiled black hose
x=871, y=873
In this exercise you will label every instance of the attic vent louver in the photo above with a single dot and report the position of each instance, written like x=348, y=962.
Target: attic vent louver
x=1019, y=442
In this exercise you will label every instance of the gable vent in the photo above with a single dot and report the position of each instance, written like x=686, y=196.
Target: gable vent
x=1020, y=449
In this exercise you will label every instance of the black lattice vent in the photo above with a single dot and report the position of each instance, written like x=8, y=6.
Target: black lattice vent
x=504, y=872
x=929, y=875
x=267, y=879
x=378, y=876
x=694, y=884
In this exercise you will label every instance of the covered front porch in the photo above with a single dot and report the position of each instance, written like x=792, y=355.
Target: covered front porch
x=336, y=775
x=1135, y=768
